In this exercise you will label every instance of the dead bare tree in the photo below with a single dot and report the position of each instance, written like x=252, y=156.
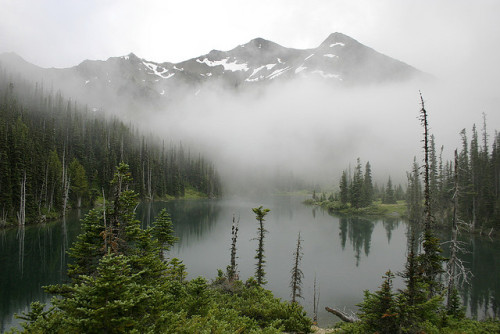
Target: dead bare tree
x=65, y=183
x=232, y=271
x=21, y=215
x=456, y=270
x=315, y=301
x=343, y=315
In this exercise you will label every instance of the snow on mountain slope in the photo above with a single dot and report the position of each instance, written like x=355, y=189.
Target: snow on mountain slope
x=339, y=60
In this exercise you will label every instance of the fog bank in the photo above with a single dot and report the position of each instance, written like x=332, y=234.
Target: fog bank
x=313, y=131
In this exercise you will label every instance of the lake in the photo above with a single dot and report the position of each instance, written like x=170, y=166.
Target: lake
x=346, y=255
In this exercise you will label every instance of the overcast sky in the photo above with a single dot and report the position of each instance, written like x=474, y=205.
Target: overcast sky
x=436, y=36
x=455, y=40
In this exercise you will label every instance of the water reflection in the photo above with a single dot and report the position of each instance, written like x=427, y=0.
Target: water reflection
x=192, y=219
x=347, y=254
x=359, y=232
x=390, y=224
x=31, y=257
x=482, y=296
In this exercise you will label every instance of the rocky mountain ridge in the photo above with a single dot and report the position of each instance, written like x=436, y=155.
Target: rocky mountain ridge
x=340, y=61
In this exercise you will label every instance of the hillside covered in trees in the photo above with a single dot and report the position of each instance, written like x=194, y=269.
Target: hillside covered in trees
x=56, y=154
x=478, y=192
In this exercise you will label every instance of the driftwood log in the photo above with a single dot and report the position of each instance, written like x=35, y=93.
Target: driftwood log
x=342, y=315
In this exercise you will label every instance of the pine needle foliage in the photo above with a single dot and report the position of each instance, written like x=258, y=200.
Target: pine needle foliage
x=260, y=273
x=297, y=274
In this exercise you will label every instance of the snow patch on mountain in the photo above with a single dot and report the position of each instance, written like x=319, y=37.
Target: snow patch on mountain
x=278, y=72
x=309, y=57
x=337, y=44
x=233, y=66
x=157, y=70
x=300, y=69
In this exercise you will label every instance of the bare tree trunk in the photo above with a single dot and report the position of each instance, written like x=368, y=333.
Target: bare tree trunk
x=315, y=302
x=65, y=183
x=150, y=190
x=20, y=235
x=455, y=267
x=342, y=315
x=453, y=247
x=21, y=215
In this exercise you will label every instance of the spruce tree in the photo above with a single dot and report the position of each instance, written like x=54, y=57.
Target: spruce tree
x=367, y=190
x=259, y=270
x=79, y=184
x=163, y=231
x=379, y=310
x=430, y=261
x=297, y=274
x=389, y=196
x=356, y=189
x=344, y=189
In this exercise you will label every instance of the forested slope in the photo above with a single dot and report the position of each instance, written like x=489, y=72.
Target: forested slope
x=55, y=153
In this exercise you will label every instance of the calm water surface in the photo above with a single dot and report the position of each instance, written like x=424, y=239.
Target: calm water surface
x=346, y=255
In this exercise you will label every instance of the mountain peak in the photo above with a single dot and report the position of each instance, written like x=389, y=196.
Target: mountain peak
x=337, y=38
x=261, y=43
x=132, y=56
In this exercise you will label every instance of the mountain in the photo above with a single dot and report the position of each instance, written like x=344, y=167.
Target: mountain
x=339, y=60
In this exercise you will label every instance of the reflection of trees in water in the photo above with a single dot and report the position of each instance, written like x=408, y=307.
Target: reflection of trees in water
x=390, y=224
x=190, y=218
x=30, y=258
x=359, y=232
x=483, y=295
x=482, y=258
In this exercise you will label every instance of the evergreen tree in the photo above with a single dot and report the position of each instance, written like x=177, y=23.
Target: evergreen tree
x=79, y=184
x=344, y=189
x=110, y=301
x=297, y=274
x=259, y=272
x=163, y=231
x=379, y=310
x=430, y=261
x=414, y=195
x=367, y=189
x=356, y=189
x=389, y=196
x=433, y=177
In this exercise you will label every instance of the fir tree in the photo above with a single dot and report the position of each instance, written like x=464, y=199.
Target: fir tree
x=430, y=261
x=259, y=271
x=356, y=189
x=379, y=310
x=297, y=274
x=344, y=189
x=414, y=195
x=79, y=183
x=163, y=231
x=367, y=190
x=389, y=197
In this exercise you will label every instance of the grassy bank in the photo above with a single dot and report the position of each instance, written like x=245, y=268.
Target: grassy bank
x=376, y=209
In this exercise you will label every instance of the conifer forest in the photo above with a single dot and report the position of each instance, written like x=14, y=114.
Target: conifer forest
x=261, y=189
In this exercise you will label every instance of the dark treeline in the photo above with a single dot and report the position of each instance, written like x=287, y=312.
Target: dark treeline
x=357, y=190
x=56, y=154
x=478, y=183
